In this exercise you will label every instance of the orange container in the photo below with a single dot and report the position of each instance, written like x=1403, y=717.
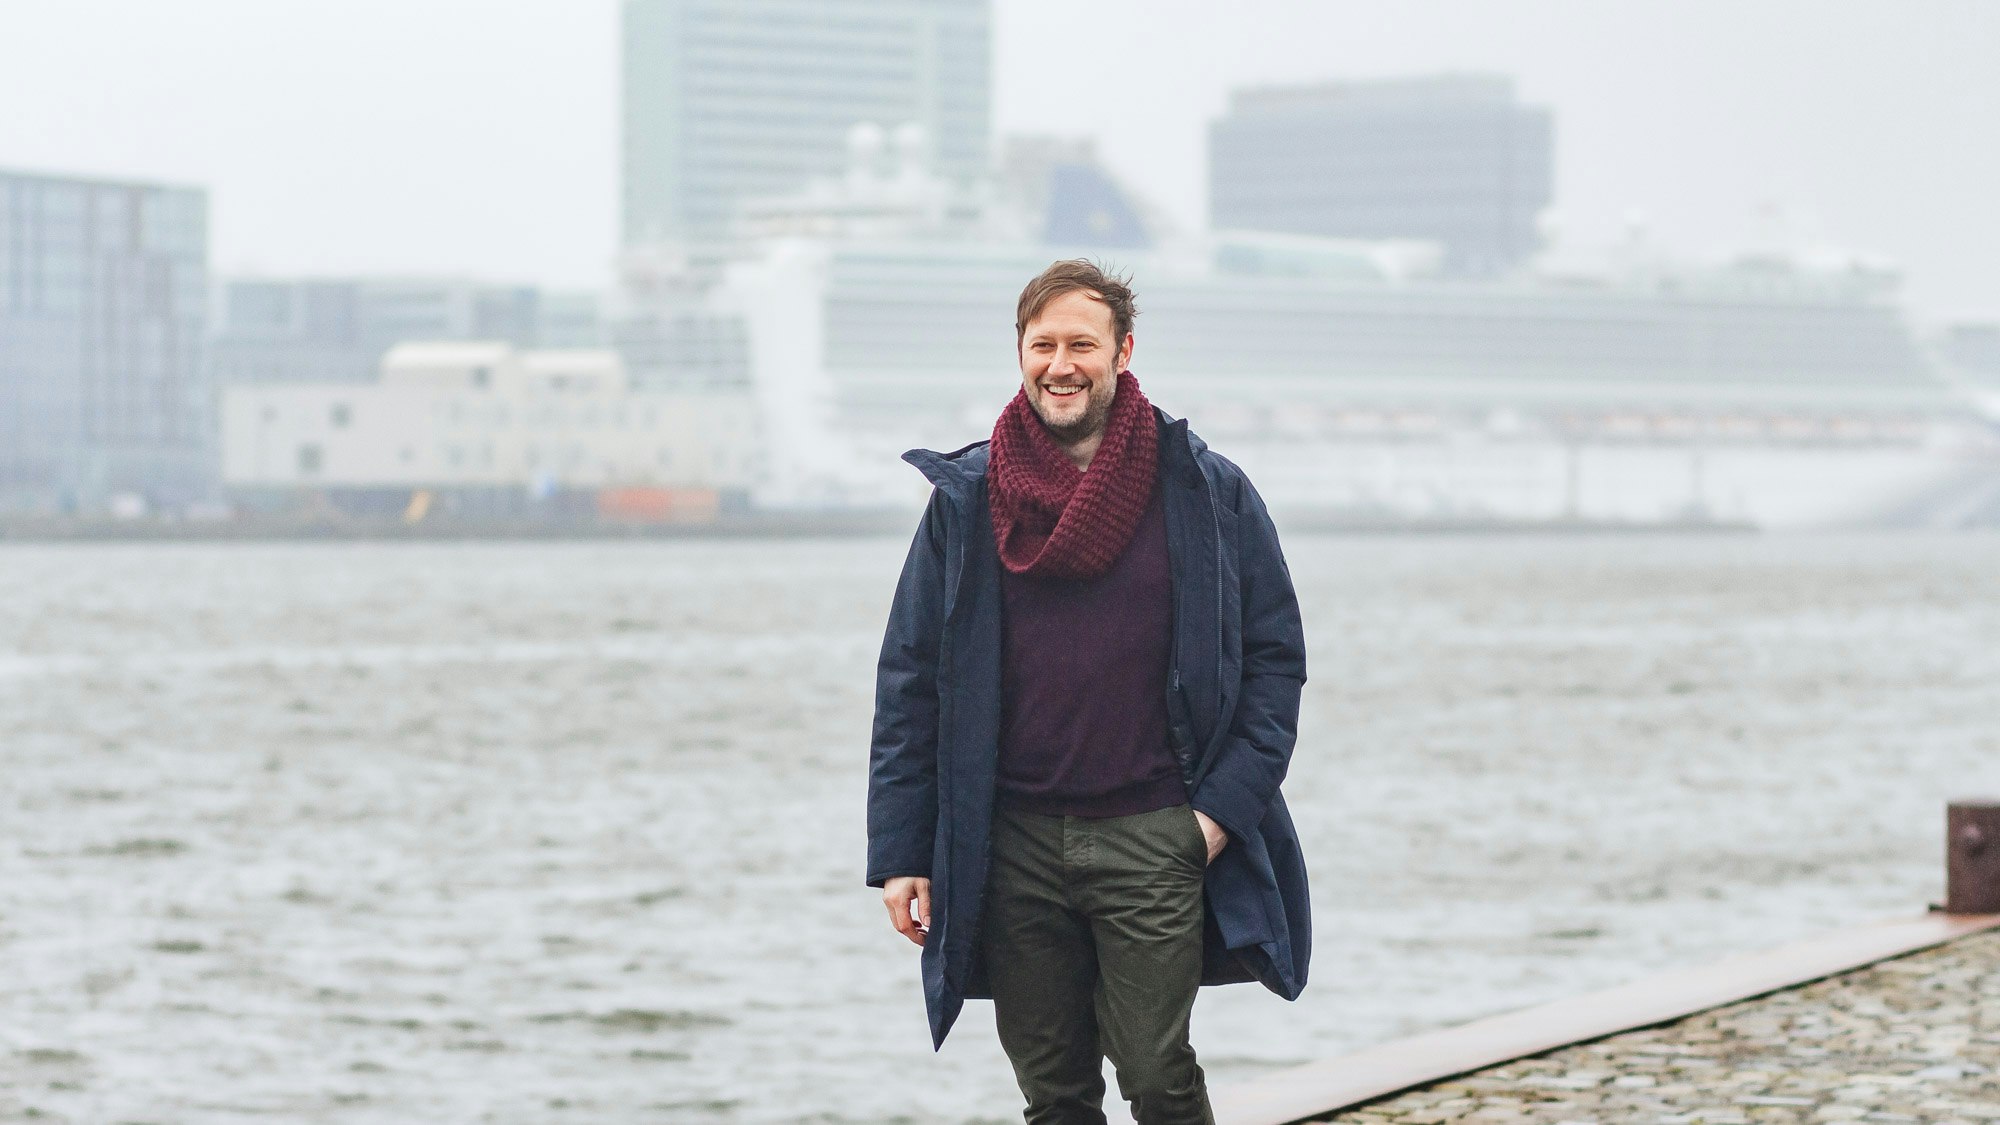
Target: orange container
x=657, y=505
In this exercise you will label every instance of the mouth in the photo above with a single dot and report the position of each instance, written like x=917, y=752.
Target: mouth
x=1063, y=390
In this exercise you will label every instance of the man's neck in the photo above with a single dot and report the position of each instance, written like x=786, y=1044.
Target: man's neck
x=1083, y=450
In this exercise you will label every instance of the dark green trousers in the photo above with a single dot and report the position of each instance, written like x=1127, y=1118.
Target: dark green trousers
x=1092, y=943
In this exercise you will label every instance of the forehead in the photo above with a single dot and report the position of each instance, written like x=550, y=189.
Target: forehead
x=1078, y=310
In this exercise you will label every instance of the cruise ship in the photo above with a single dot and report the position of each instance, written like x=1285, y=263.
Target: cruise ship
x=1354, y=383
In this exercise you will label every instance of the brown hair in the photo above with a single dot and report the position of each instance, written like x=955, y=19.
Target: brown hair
x=1076, y=275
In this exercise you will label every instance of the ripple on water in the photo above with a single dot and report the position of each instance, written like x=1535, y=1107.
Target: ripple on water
x=1526, y=768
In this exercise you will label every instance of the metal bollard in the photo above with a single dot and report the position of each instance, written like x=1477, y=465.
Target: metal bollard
x=1972, y=857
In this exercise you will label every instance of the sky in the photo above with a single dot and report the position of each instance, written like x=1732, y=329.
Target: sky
x=480, y=137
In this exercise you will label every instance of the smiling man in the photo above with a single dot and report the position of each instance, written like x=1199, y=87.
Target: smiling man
x=1086, y=700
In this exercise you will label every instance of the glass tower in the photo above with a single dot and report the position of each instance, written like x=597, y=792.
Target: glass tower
x=1455, y=160
x=730, y=99
x=102, y=304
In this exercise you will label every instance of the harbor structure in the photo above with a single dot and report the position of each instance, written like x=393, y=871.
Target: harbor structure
x=336, y=330
x=1359, y=382
x=1455, y=159
x=103, y=294
x=1372, y=335
x=1911, y=1038
x=1886, y=1021
x=726, y=100
x=482, y=428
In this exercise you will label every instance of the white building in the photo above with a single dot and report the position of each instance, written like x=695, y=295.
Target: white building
x=483, y=415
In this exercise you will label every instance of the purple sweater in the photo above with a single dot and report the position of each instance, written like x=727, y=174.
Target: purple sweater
x=1083, y=726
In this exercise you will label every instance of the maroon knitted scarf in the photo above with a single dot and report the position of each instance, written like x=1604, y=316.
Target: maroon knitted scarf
x=1054, y=520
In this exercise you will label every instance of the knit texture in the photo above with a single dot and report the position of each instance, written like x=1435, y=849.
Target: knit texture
x=1054, y=520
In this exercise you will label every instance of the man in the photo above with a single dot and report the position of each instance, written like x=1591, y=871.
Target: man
x=1086, y=700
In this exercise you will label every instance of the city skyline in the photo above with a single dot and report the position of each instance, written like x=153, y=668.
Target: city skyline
x=458, y=139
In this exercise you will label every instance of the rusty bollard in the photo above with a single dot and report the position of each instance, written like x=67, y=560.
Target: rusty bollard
x=1972, y=857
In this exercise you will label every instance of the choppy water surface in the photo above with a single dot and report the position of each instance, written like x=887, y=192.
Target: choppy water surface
x=548, y=832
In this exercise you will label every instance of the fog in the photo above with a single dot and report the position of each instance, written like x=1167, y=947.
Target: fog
x=449, y=136
x=439, y=599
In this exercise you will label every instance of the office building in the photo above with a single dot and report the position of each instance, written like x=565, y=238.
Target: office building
x=337, y=330
x=103, y=288
x=1455, y=159
x=731, y=100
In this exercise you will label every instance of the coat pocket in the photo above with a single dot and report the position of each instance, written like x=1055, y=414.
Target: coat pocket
x=1243, y=894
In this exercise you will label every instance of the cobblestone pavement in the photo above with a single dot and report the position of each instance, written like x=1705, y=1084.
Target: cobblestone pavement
x=1914, y=1039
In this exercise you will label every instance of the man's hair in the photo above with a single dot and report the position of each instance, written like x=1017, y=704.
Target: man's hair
x=1077, y=275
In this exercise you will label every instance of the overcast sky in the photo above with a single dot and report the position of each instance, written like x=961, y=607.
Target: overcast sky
x=479, y=137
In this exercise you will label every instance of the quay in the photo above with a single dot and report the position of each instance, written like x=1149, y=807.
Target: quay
x=1893, y=1022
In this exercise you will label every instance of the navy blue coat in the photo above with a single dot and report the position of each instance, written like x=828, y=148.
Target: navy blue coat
x=1232, y=707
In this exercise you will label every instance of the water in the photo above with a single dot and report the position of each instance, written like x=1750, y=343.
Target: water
x=544, y=832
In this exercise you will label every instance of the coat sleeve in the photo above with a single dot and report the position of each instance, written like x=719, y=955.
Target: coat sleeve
x=1251, y=762
x=902, y=759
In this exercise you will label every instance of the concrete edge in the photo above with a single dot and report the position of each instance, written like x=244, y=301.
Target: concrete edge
x=1320, y=1088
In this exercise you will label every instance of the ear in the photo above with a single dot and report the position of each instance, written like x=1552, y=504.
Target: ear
x=1125, y=352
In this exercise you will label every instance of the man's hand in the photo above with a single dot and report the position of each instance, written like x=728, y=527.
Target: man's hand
x=903, y=892
x=1212, y=832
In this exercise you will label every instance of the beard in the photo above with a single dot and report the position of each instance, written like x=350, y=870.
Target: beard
x=1096, y=410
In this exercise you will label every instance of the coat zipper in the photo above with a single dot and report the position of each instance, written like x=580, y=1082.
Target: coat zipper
x=1221, y=699
x=1215, y=515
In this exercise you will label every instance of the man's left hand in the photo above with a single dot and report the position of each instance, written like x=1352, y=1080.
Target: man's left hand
x=1213, y=833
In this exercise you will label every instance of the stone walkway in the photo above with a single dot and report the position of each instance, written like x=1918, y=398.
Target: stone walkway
x=1914, y=1039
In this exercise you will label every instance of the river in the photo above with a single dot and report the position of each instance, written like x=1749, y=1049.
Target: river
x=532, y=832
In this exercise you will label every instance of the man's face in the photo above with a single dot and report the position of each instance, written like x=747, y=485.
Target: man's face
x=1070, y=362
